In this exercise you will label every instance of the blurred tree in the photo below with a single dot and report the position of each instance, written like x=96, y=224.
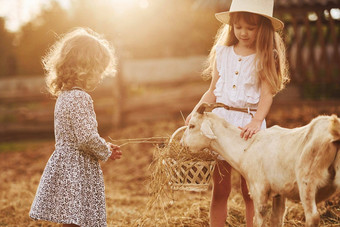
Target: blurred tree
x=35, y=36
x=97, y=15
x=167, y=28
x=162, y=29
x=41, y=32
x=7, y=58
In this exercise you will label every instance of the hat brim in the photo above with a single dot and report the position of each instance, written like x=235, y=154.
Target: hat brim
x=224, y=17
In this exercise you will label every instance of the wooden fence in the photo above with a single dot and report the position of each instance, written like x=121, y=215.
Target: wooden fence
x=145, y=90
x=26, y=109
x=160, y=88
x=150, y=89
x=312, y=39
x=156, y=89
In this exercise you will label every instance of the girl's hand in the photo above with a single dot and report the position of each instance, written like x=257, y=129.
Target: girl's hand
x=250, y=129
x=116, y=152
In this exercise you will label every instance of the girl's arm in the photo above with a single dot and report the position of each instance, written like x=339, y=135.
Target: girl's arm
x=266, y=100
x=84, y=124
x=208, y=96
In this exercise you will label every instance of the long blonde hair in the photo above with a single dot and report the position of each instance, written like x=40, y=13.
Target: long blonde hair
x=81, y=58
x=270, y=60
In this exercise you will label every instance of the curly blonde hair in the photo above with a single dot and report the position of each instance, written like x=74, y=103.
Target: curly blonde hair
x=270, y=58
x=81, y=58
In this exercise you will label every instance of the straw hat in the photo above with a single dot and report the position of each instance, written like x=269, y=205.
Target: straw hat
x=260, y=7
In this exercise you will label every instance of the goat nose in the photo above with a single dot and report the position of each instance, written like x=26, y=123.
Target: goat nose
x=185, y=146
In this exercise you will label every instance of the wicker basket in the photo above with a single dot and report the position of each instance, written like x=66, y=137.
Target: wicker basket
x=188, y=175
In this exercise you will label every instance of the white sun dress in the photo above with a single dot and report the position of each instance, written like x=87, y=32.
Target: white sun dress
x=71, y=189
x=237, y=85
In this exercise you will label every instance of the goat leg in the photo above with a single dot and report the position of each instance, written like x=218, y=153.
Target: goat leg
x=308, y=190
x=278, y=211
x=260, y=198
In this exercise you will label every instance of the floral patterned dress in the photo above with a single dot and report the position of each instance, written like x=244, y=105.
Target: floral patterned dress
x=71, y=189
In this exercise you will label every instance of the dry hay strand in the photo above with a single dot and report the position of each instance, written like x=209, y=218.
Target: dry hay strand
x=236, y=211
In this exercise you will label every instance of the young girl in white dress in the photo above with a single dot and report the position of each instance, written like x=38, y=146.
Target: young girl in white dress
x=248, y=67
x=71, y=189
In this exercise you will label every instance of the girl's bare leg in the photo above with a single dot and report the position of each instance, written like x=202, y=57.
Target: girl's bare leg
x=221, y=191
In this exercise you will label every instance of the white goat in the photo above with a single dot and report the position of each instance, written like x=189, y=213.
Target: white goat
x=301, y=164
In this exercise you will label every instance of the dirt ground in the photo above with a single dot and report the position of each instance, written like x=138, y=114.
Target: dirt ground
x=126, y=181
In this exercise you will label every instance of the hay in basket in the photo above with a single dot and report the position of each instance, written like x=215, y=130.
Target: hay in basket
x=177, y=168
x=174, y=168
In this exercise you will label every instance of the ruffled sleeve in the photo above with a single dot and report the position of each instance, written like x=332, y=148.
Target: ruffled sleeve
x=84, y=124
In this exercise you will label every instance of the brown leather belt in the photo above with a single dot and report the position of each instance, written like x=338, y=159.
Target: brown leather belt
x=210, y=107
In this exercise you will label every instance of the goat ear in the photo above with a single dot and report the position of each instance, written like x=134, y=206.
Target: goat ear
x=202, y=108
x=206, y=129
x=334, y=128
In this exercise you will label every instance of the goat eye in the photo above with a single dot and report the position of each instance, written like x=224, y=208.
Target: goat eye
x=191, y=126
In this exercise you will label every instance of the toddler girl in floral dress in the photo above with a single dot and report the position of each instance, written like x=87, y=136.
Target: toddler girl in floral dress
x=71, y=189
